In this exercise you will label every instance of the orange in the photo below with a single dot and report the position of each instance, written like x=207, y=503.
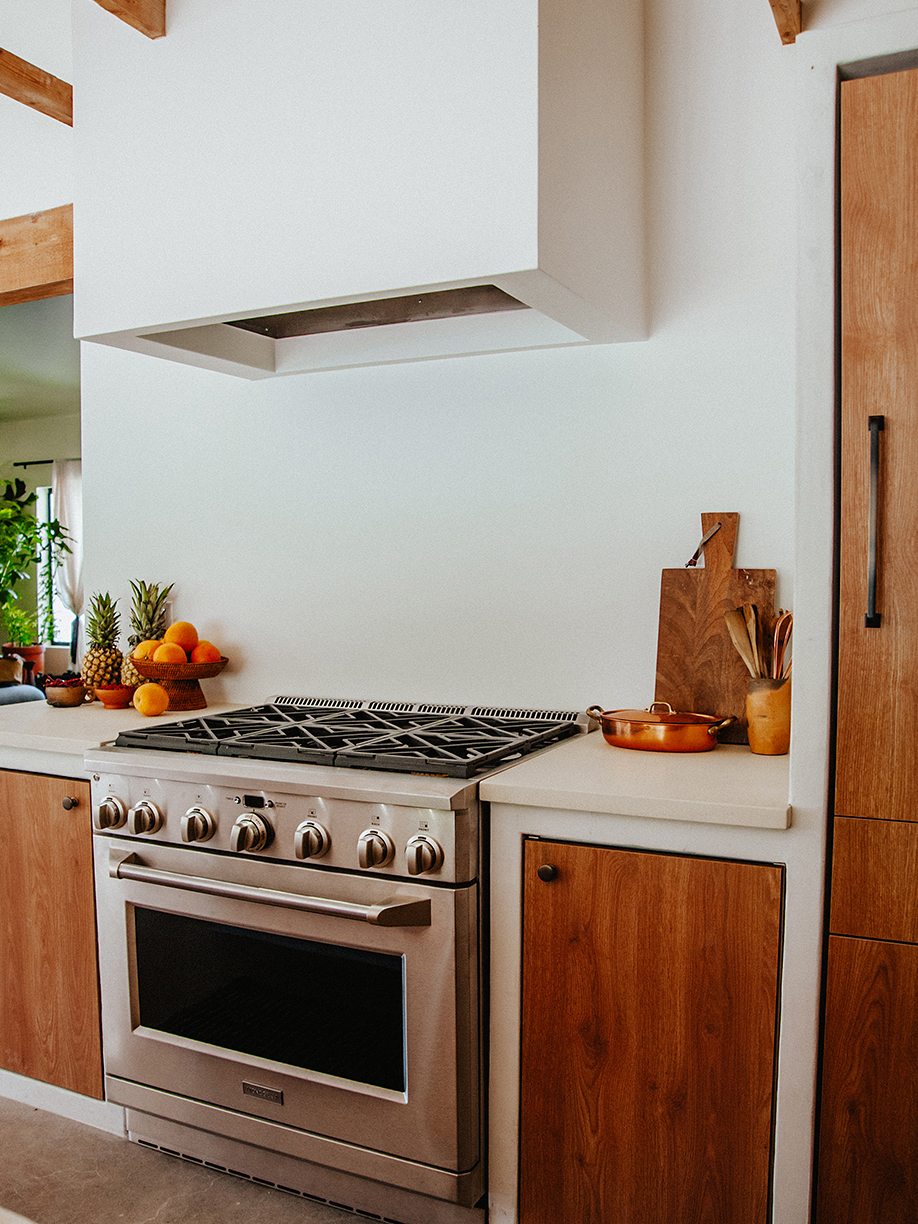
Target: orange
x=169, y=652
x=146, y=650
x=183, y=633
x=205, y=652
x=150, y=699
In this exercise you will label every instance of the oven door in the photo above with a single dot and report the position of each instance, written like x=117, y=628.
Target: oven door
x=344, y=1006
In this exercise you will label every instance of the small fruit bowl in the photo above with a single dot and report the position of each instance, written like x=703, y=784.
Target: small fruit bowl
x=180, y=680
x=63, y=695
x=114, y=696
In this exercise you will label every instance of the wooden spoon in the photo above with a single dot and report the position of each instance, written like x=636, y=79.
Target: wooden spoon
x=739, y=635
x=751, y=616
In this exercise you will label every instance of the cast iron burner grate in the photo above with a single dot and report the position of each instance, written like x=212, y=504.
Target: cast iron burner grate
x=455, y=741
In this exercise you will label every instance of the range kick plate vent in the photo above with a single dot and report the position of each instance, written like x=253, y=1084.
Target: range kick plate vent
x=404, y=737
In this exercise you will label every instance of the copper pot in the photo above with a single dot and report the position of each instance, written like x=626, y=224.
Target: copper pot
x=659, y=728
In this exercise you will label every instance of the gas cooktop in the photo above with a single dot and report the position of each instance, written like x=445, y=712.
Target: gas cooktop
x=455, y=741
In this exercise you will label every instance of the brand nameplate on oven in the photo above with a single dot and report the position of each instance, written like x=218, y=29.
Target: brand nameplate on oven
x=263, y=1094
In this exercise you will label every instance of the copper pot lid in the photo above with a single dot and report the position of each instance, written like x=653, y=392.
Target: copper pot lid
x=652, y=714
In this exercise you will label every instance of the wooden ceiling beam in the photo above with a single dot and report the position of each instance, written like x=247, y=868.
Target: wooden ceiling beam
x=147, y=16
x=787, y=18
x=36, y=256
x=25, y=83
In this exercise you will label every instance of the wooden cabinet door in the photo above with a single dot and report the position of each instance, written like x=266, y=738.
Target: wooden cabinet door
x=648, y=1041
x=49, y=992
x=877, y=771
x=875, y=879
x=868, y=1169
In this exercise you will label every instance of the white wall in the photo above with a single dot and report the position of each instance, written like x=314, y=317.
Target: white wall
x=35, y=151
x=493, y=529
x=486, y=528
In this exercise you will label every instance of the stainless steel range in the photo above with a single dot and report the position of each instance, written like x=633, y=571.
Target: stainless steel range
x=290, y=910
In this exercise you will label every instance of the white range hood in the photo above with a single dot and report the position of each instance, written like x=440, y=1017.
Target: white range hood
x=276, y=189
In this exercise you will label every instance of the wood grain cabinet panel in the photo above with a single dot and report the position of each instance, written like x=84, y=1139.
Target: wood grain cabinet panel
x=868, y=1122
x=877, y=769
x=648, y=1043
x=49, y=992
x=875, y=879
x=869, y=1118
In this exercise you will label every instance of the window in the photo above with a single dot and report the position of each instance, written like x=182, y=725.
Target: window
x=55, y=621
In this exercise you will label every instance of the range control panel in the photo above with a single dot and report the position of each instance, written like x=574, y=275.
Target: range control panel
x=383, y=838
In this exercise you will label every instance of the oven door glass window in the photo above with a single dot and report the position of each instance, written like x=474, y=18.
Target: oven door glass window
x=322, y=1007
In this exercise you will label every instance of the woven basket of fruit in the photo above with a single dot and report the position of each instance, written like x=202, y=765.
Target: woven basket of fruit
x=151, y=670
x=180, y=680
x=177, y=662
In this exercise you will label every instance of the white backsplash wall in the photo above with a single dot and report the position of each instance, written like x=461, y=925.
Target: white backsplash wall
x=489, y=528
x=485, y=529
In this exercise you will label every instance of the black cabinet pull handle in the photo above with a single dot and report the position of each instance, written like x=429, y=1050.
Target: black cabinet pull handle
x=875, y=424
x=69, y=802
x=548, y=871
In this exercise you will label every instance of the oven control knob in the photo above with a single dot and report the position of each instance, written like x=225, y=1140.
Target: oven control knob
x=110, y=814
x=198, y=825
x=424, y=855
x=311, y=840
x=145, y=817
x=251, y=832
x=375, y=848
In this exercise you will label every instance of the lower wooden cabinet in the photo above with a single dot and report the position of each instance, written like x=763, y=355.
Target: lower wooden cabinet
x=650, y=989
x=868, y=1155
x=49, y=992
x=867, y=1165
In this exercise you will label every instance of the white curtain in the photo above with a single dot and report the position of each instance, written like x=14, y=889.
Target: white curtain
x=67, y=508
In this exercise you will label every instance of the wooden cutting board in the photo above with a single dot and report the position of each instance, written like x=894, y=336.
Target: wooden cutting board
x=698, y=667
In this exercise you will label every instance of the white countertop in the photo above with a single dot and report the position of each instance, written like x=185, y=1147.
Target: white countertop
x=728, y=785
x=40, y=738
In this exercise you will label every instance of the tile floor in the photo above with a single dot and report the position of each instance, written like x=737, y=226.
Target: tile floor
x=54, y=1171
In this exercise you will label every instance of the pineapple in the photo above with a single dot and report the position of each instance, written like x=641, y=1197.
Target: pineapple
x=102, y=660
x=148, y=620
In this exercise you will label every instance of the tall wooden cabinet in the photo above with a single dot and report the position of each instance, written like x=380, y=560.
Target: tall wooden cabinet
x=648, y=1041
x=868, y=1150
x=49, y=991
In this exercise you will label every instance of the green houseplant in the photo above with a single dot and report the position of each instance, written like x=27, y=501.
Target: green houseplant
x=23, y=541
x=21, y=626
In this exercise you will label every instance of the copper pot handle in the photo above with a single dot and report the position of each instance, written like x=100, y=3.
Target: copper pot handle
x=596, y=712
x=719, y=726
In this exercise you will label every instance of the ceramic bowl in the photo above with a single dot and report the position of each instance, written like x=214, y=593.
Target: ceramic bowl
x=115, y=696
x=65, y=694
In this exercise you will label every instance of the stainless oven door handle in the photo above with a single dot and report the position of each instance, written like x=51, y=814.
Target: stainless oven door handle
x=388, y=914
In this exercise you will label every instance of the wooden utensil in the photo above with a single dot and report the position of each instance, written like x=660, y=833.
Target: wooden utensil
x=750, y=614
x=784, y=627
x=739, y=634
x=698, y=666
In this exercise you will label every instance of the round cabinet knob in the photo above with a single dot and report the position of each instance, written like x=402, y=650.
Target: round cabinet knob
x=311, y=840
x=375, y=848
x=110, y=814
x=424, y=855
x=547, y=872
x=69, y=802
x=145, y=817
x=250, y=833
x=198, y=825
